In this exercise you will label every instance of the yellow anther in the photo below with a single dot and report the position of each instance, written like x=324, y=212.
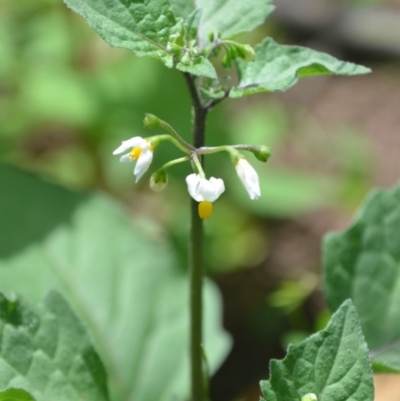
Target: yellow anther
x=135, y=153
x=205, y=209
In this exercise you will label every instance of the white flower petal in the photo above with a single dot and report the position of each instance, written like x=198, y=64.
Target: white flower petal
x=201, y=189
x=193, y=181
x=126, y=158
x=249, y=178
x=143, y=163
x=219, y=186
x=129, y=144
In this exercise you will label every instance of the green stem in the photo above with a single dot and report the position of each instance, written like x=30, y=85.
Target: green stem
x=196, y=258
x=225, y=148
x=198, y=165
x=175, y=142
x=176, y=161
x=168, y=128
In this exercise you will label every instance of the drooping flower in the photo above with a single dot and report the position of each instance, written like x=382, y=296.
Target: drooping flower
x=141, y=152
x=249, y=177
x=205, y=192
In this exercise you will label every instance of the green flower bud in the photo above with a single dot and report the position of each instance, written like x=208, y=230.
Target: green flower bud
x=185, y=59
x=263, y=153
x=151, y=121
x=246, y=52
x=159, y=180
x=309, y=397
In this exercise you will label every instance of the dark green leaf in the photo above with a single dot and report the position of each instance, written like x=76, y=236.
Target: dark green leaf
x=332, y=364
x=143, y=26
x=363, y=263
x=278, y=67
x=47, y=352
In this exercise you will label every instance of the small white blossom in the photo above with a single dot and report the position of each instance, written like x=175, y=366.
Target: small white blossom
x=141, y=151
x=249, y=178
x=201, y=189
x=204, y=191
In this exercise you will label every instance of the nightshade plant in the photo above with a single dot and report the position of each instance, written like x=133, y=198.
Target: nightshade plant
x=197, y=38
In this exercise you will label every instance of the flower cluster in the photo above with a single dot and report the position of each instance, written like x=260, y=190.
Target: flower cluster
x=202, y=190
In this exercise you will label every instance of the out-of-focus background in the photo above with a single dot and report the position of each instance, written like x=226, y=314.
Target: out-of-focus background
x=67, y=100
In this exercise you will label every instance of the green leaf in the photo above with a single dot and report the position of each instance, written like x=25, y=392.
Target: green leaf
x=229, y=17
x=144, y=26
x=15, y=394
x=122, y=279
x=46, y=351
x=200, y=67
x=332, y=364
x=278, y=67
x=363, y=263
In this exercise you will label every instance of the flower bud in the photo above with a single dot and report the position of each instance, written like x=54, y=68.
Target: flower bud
x=263, y=153
x=151, y=121
x=249, y=177
x=159, y=180
x=245, y=52
x=309, y=397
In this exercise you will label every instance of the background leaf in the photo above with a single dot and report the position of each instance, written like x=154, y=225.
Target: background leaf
x=333, y=364
x=362, y=263
x=145, y=27
x=278, y=67
x=124, y=282
x=47, y=351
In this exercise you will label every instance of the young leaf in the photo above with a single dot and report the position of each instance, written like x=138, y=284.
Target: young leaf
x=332, y=364
x=123, y=280
x=200, y=67
x=228, y=17
x=363, y=263
x=278, y=67
x=146, y=27
x=47, y=352
x=15, y=394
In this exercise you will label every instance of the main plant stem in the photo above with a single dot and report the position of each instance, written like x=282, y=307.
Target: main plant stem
x=196, y=257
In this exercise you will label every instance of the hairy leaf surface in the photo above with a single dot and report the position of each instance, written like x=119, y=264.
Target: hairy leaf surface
x=278, y=67
x=47, y=352
x=332, y=364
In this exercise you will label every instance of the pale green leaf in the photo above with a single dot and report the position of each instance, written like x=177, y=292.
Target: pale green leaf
x=278, y=67
x=144, y=26
x=123, y=280
x=200, y=67
x=46, y=351
x=363, y=263
x=15, y=394
x=332, y=364
x=228, y=17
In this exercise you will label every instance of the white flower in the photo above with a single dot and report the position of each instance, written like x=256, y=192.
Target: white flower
x=141, y=150
x=249, y=178
x=204, y=191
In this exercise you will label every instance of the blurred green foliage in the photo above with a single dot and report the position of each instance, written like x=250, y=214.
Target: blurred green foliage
x=120, y=276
